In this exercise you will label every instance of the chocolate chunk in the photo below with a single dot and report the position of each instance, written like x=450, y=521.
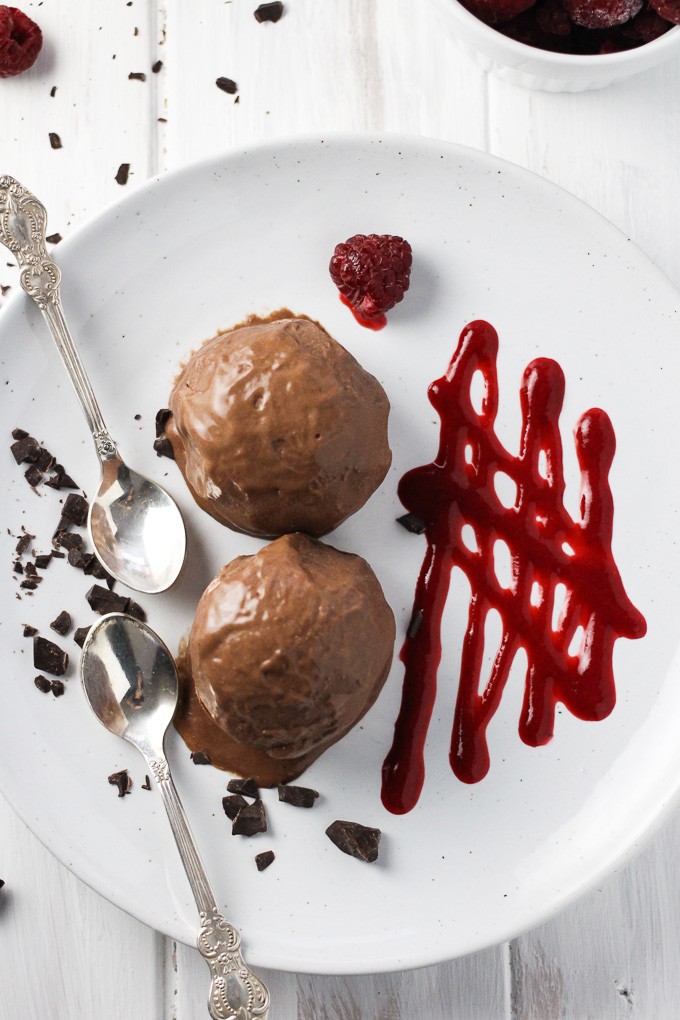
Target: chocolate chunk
x=18, y=568
x=60, y=480
x=122, y=781
x=246, y=787
x=227, y=85
x=33, y=475
x=136, y=76
x=26, y=450
x=80, y=635
x=62, y=624
x=49, y=657
x=269, y=12
x=58, y=688
x=298, y=796
x=415, y=623
x=201, y=758
x=75, y=509
x=146, y=785
x=136, y=611
x=416, y=525
x=31, y=569
x=54, y=238
x=30, y=631
x=23, y=544
x=55, y=140
x=31, y=583
x=18, y=433
x=43, y=561
x=45, y=460
x=53, y=91
x=163, y=447
x=67, y=539
x=56, y=555
x=250, y=820
x=354, y=839
x=43, y=684
x=122, y=174
x=233, y=804
x=157, y=66
x=162, y=418
x=77, y=558
x=103, y=601
x=264, y=859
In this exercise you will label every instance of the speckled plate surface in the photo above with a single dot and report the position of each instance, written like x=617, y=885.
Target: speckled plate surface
x=147, y=281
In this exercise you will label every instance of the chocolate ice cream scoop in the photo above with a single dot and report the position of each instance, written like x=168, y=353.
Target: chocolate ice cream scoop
x=288, y=650
x=277, y=428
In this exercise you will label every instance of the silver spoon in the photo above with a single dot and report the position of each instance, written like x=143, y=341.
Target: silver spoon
x=136, y=527
x=130, y=680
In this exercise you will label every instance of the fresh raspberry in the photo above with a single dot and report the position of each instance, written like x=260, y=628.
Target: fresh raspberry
x=372, y=273
x=20, y=42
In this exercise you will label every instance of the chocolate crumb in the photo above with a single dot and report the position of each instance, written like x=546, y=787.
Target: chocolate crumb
x=413, y=523
x=415, y=623
x=53, y=91
x=136, y=76
x=45, y=460
x=77, y=558
x=33, y=475
x=2, y=882
x=103, y=601
x=56, y=555
x=269, y=12
x=23, y=544
x=162, y=120
x=298, y=796
x=43, y=684
x=122, y=174
x=30, y=569
x=146, y=785
x=162, y=418
x=17, y=568
x=122, y=781
x=60, y=480
x=49, y=657
x=233, y=804
x=246, y=787
x=31, y=583
x=138, y=417
x=250, y=820
x=75, y=509
x=157, y=66
x=355, y=839
x=62, y=624
x=80, y=635
x=136, y=611
x=30, y=631
x=264, y=859
x=54, y=238
x=43, y=561
x=26, y=450
x=55, y=140
x=17, y=433
x=201, y=758
x=58, y=688
x=163, y=448
x=227, y=85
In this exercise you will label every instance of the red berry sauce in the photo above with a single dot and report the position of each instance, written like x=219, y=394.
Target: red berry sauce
x=546, y=547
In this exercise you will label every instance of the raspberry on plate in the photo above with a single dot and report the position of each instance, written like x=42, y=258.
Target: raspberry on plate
x=372, y=273
x=20, y=41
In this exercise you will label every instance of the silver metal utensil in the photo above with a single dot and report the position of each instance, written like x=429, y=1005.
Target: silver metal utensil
x=136, y=527
x=130, y=680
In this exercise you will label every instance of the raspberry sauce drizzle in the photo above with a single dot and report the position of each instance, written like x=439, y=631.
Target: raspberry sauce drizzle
x=547, y=548
x=376, y=323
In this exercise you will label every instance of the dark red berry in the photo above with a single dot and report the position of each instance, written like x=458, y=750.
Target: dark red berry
x=20, y=42
x=552, y=18
x=497, y=12
x=645, y=26
x=669, y=10
x=372, y=273
x=601, y=13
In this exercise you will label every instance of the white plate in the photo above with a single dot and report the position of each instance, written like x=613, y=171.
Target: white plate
x=147, y=281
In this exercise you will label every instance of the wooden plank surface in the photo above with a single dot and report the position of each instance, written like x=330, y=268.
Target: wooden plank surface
x=347, y=65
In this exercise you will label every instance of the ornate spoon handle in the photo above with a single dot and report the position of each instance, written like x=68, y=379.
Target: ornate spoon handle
x=22, y=229
x=235, y=992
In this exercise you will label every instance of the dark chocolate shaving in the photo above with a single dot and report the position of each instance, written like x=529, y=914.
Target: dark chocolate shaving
x=62, y=624
x=43, y=684
x=80, y=635
x=157, y=66
x=122, y=781
x=31, y=583
x=103, y=601
x=146, y=785
x=123, y=173
x=77, y=558
x=75, y=509
x=23, y=544
x=298, y=796
x=355, y=839
x=18, y=433
x=136, y=76
x=53, y=91
x=18, y=568
x=162, y=418
x=31, y=569
x=269, y=12
x=201, y=758
x=43, y=561
x=250, y=820
x=136, y=611
x=45, y=460
x=55, y=140
x=33, y=475
x=163, y=448
x=67, y=539
x=227, y=85
x=26, y=450
x=48, y=657
x=416, y=525
x=233, y=804
x=60, y=480
x=264, y=859
x=58, y=688
x=415, y=623
x=30, y=631
x=246, y=787
x=54, y=238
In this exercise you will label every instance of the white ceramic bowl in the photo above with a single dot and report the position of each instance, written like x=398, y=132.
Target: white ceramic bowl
x=542, y=69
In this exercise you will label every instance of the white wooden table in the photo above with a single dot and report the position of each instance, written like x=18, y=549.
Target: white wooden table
x=379, y=65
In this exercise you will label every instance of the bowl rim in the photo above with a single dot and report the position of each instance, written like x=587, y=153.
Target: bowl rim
x=623, y=58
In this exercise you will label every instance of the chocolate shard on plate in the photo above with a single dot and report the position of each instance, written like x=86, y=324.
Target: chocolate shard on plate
x=26, y=450
x=33, y=475
x=246, y=787
x=43, y=561
x=62, y=624
x=264, y=859
x=31, y=583
x=75, y=509
x=103, y=601
x=201, y=758
x=19, y=434
x=250, y=820
x=416, y=525
x=162, y=417
x=54, y=238
x=136, y=76
x=80, y=635
x=146, y=785
x=355, y=839
x=298, y=796
x=135, y=610
x=122, y=173
x=77, y=558
x=18, y=568
x=55, y=140
x=269, y=12
x=227, y=85
x=48, y=657
x=60, y=480
x=67, y=539
x=233, y=804
x=122, y=781
x=57, y=687
x=23, y=544
x=30, y=631
x=43, y=684
x=31, y=569
x=163, y=447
